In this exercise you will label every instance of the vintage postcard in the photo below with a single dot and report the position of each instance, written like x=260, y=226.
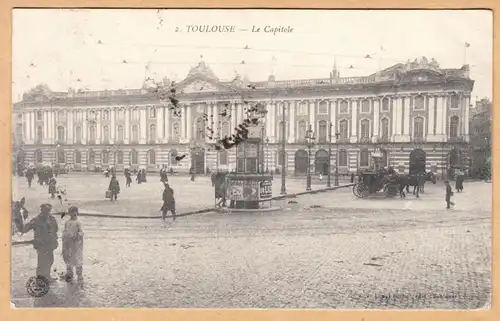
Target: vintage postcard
x=241, y=159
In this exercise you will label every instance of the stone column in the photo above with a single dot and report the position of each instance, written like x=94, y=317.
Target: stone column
x=32, y=126
x=126, y=139
x=429, y=101
x=466, y=119
x=52, y=127
x=439, y=117
x=142, y=126
x=69, y=127
x=405, y=111
x=159, y=123
x=183, y=109
x=444, y=117
x=312, y=112
x=84, y=128
x=112, y=129
x=190, y=122
x=291, y=122
x=376, y=118
x=272, y=126
x=98, y=114
x=268, y=120
x=354, y=121
x=216, y=112
x=333, y=119
x=166, y=117
x=233, y=118
x=45, y=115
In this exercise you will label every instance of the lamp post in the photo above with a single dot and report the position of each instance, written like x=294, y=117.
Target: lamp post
x=329, y=178
x=336, y=182
x=310, y=137
x=267, y=155
x=283, y=146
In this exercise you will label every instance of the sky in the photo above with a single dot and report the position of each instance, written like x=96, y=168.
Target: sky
x=97, y=49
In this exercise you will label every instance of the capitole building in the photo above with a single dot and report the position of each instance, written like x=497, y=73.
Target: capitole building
x=413, y=114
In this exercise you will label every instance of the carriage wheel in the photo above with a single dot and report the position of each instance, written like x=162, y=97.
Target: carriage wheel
x=361, y=190
x=391, y=190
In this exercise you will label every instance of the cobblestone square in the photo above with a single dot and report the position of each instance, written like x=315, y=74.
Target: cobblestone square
x=324, y=250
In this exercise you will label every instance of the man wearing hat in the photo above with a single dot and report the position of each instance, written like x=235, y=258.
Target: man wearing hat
x=449, y=194
x=45, y=242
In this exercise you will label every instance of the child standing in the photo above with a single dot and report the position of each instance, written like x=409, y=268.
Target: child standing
x=449, y=194
x=72, y=248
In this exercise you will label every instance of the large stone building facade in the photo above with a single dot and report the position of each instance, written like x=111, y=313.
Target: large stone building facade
x=413, y=114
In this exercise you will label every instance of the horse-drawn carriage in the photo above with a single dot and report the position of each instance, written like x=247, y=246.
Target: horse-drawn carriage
x=372, y=181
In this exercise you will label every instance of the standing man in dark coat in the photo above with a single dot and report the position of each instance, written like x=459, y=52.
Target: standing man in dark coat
x=29, y=176
x=128, y=177
x=45, y=239
x=168, y=202
x=52, y=187
x=114, y=187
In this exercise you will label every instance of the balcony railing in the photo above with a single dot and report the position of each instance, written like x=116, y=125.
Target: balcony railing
x=458, y=139
x=418, y=140
x=343, y=140
x=384, y=139
x=364, y=140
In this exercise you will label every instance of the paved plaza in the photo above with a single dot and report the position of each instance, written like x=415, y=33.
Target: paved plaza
x=323, y=250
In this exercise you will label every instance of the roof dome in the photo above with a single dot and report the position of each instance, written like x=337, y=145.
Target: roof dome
x=202, y=69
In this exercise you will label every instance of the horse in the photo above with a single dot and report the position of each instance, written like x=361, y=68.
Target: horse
x=415, y=180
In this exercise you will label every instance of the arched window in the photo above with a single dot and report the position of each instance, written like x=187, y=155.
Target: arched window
x=323, y=108
x=60, y=134
x=384, y=128
x=39, y=115
x=60, y=115
x=343, y=129
x=135, y=114
x=280, y=157
x=225, y=129
x=342, y=157
x=105, y=134
x=119, y=157
x=302, y=128
x=120, y=114
x=385, y=104
x=365, y=128
x=78, y=134
x=91, y=157
x=152, y=133
x=281, y=126
x=199, y=128
x=152, y=112
x=173, y=155
x=364, y=158
x=454, y=126
x=38, y=156
x=78, y=157
x=453, y=102
x=322, y=135
x=105, y=114
x=365, y=106
x=105, y=157
x=419, y=103
x=135, y=133
x=39, y=134
x=92, y=134
x=176, y=131
x=133, y=157
x=343, y=107
x=61, y=157
x=418, y=127
x=151, y=157
x=120, y=134
x=223, y=157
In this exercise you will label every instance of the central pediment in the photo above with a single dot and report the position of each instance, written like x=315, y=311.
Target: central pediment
x=200, y=84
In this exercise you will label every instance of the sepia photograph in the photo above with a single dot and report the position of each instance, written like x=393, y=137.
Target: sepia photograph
x=251, y=159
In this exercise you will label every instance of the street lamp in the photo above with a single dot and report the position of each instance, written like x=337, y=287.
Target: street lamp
x=336, y=182
x=310, y=138
x=267, y=154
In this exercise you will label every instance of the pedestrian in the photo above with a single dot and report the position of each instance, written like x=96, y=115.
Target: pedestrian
x=45, y=240
x=320, y=176
x=222, y=193
x=52, y=187
x=128, y=177
x=168, y=202
x=114, y=188
x=29, y=176
x=459, y=181
x=449, y=194
x=72, y=245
